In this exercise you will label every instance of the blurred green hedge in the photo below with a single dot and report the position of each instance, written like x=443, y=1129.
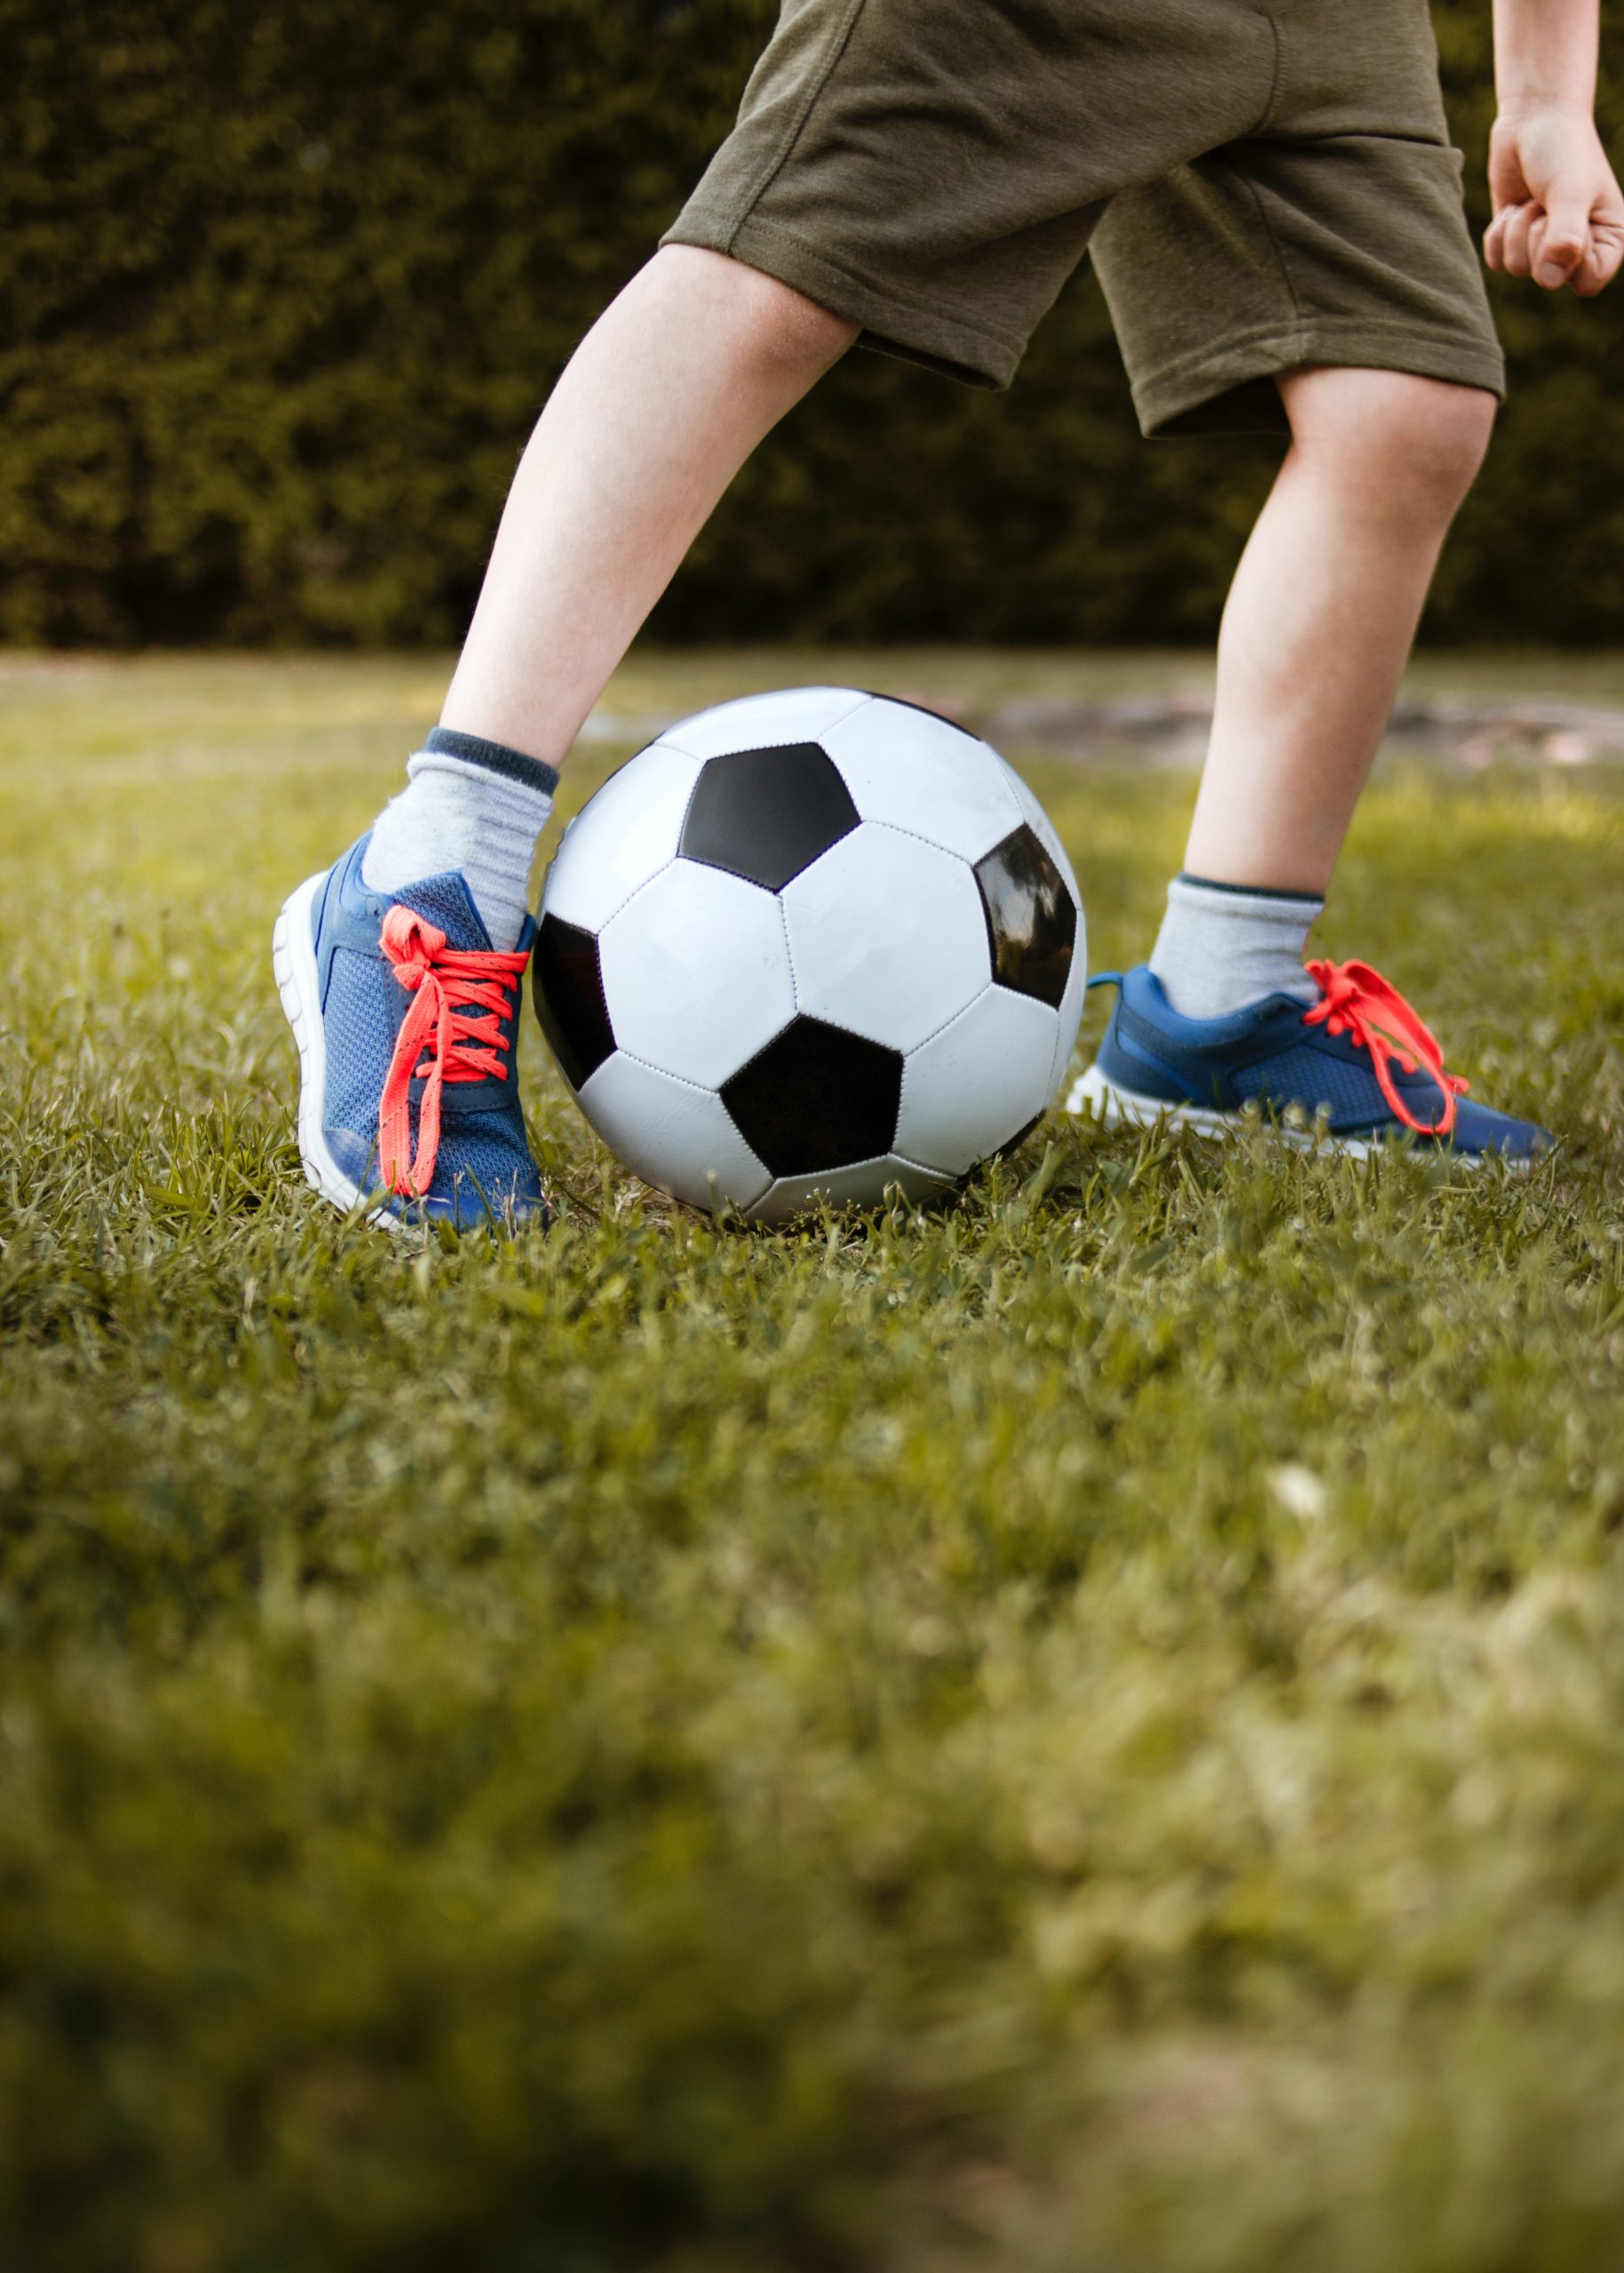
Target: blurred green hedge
x=281, y=288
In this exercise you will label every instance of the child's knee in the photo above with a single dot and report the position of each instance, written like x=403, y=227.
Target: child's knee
x=1442, y=436
x=1409, y=443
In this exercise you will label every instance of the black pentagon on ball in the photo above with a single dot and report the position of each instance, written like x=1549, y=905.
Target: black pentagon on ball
x=566, y=984
x=765, y=814
x=817, y=1097
x=1031, y=917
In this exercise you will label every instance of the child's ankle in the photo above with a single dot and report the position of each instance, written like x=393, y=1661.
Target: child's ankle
x=472, y=805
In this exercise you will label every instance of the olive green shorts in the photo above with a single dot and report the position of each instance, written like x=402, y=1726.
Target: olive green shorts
x=1263, y=184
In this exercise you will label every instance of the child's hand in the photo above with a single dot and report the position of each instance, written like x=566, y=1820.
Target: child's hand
x=1558, y=212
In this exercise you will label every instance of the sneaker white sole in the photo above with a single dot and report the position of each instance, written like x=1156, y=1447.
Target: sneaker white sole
x=1097, y=1098
x=293, y=958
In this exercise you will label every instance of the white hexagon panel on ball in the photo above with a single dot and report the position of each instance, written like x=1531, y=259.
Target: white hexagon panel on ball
x=621, y=838
x=979, y=1084
x=864, y=1185
x=924, y=774
x=887, y=936
x=672, y=1134
x=696, y=972
x=796, y=713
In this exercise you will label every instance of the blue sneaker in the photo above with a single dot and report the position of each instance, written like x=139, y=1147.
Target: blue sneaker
x=407, y=1027
x=1357, y=1067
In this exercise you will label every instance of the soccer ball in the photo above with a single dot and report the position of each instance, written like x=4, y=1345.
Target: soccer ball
x=808, y=945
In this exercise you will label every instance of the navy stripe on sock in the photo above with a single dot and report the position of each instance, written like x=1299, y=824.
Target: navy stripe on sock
x=494, y=757
x=1252, y=891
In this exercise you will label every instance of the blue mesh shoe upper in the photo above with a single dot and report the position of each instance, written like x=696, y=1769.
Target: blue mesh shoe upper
x=482, y=1167
x=1270, y=1054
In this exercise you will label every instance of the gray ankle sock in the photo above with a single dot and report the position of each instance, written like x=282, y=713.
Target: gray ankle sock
x=472, y=805
x=1222, y=946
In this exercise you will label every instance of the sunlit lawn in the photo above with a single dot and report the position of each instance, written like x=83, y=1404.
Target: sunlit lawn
x=1083, y=1734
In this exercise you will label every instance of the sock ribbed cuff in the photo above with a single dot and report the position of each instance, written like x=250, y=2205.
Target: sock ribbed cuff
x=1222, y=947
x=494, y=757
x=1251, y=891
x=480, y=815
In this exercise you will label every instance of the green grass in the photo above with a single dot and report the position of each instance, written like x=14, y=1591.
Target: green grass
x=1081, y=1735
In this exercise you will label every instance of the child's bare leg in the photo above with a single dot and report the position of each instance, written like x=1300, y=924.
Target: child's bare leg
x=660, y=405
x=1315, y=637
x=663, y=401
x=1322, y=614
x=1316, y=634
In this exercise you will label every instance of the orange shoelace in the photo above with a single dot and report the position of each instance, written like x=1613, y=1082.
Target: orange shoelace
x=1357, y=1001
x=454, y=1024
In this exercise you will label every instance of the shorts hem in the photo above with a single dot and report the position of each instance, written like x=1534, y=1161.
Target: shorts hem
x=1220, y=392
x=894, y=322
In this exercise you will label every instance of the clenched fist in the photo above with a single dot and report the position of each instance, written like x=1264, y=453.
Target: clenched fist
x=1558, y=211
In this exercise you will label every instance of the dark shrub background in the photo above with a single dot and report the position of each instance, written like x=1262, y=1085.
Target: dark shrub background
x=282, y=286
